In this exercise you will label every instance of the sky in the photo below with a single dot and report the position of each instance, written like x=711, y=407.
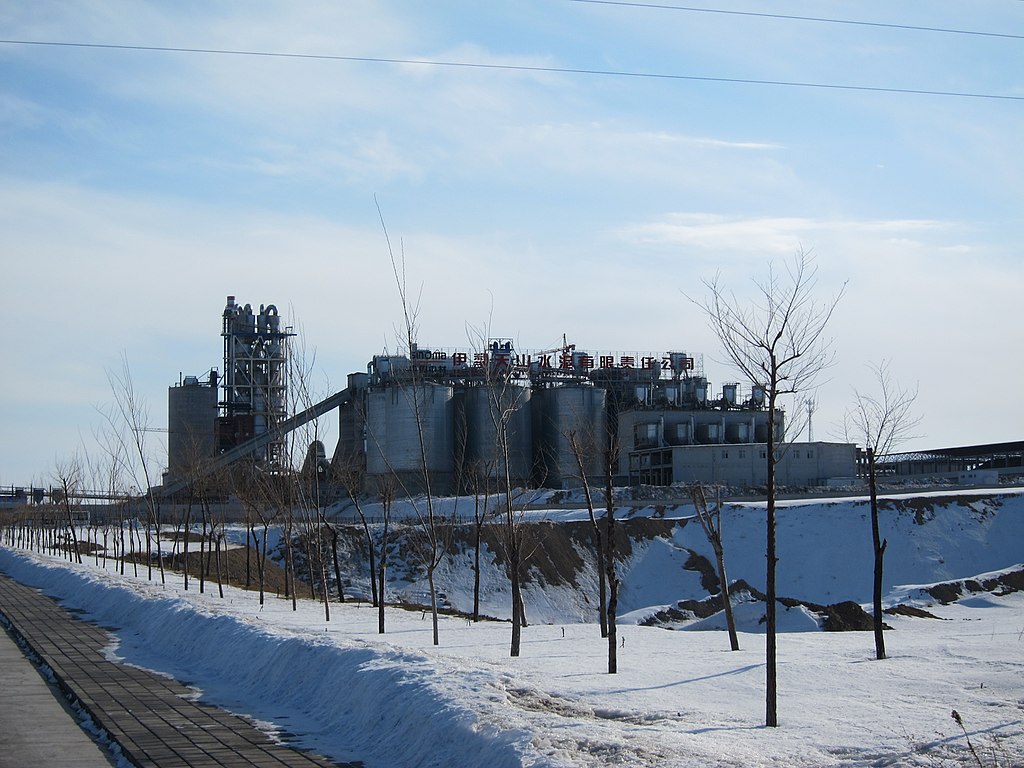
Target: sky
x=532, y=196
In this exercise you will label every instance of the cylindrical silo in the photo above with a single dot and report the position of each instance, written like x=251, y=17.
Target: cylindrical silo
x=395, y=417
x=494, y=412
x=559, y=412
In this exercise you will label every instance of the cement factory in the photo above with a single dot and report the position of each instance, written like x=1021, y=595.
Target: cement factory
x=456, y=417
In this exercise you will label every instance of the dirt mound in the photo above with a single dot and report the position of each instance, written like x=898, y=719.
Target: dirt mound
x=846, y=616
x=909, y=610
x=1003, y=584
x=238, y=567
x=688, y=610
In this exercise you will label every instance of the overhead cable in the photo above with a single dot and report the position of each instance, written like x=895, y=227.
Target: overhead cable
x=792, y=17
x=523, y=68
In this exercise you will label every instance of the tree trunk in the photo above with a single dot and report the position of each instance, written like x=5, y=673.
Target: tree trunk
x=248, y=553
x=73, y=554
x=289, y=556
x=730, y=620
x=337, y=564
x=374, y=592
x=382, y=565
x=476, y=571
x=323, y=573
x=517, y=599
x=613, y=582
x=188, y=528
x=771, y=650
x=602, y=587
x=159, y=546
x=878, y=545
x=433, y=603
x=261, y=564
x=202, y=547
x=220, y=579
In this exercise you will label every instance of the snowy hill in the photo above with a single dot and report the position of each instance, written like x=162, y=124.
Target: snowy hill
x=824, y=549
x=679, y=698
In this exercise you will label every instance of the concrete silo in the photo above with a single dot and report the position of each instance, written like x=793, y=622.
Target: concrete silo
x=559, y=411
x=191, y=422
x=396, y=414
x=492, y=412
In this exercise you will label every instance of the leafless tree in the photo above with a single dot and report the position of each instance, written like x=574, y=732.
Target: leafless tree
x=194, y=470
x=68, y=475
x=881, y=421
x=504, y=391
x=310, y=478
x=479, y=474
x=777, y=341
x=429, y=547
x=580, y=449
x=129, y=419
x=349, y=472
x=256, y=492
x=387, y=498
x=611, y=459
x=711, y=522
x=109, y=468
x=212, y=483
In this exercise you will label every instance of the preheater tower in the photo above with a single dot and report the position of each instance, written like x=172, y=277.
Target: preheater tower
x=255, y=380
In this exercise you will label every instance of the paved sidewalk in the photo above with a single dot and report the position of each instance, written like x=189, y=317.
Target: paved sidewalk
x=148, y=715
x=36, y=726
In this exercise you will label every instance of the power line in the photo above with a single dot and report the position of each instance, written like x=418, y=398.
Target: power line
x=521, y=68
x=791, y=17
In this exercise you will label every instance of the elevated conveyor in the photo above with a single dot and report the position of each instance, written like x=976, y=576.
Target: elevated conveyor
x=261, y=441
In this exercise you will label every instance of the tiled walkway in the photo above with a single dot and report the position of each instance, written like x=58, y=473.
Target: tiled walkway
x=149, y=716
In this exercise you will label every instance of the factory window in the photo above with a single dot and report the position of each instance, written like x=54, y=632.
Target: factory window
x=810, y=454
x=645, y=436
x=764, y=454
x=743, y=454
x=725, y=454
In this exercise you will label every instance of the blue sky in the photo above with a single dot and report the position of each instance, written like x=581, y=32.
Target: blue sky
x=139, y=188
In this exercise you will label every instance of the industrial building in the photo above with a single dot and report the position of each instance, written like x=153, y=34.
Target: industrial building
x=206, y=418
x=458, y=418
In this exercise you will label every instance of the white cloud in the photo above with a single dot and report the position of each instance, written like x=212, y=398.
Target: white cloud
x=138, y=189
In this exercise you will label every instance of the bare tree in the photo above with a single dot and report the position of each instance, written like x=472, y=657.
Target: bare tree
x=129, y=419
x=480, y=481
x=711, y=522
x=68, y=475
x=502, y=387
x=580, y=451
x=257, y=494
x=194, y=470
x=349, y=473
x=429, y=545
x=777, y=342
x=881, y=421
x=109, y=467
x=310, y=479
x=387, y=497
x=611, y=459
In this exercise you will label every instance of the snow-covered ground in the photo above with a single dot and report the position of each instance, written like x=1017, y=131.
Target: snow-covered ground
x=678, y=699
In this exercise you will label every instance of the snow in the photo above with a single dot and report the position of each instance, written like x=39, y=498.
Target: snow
x=678, y=699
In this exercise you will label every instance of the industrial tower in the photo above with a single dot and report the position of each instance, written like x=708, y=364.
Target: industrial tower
x=255, y=379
